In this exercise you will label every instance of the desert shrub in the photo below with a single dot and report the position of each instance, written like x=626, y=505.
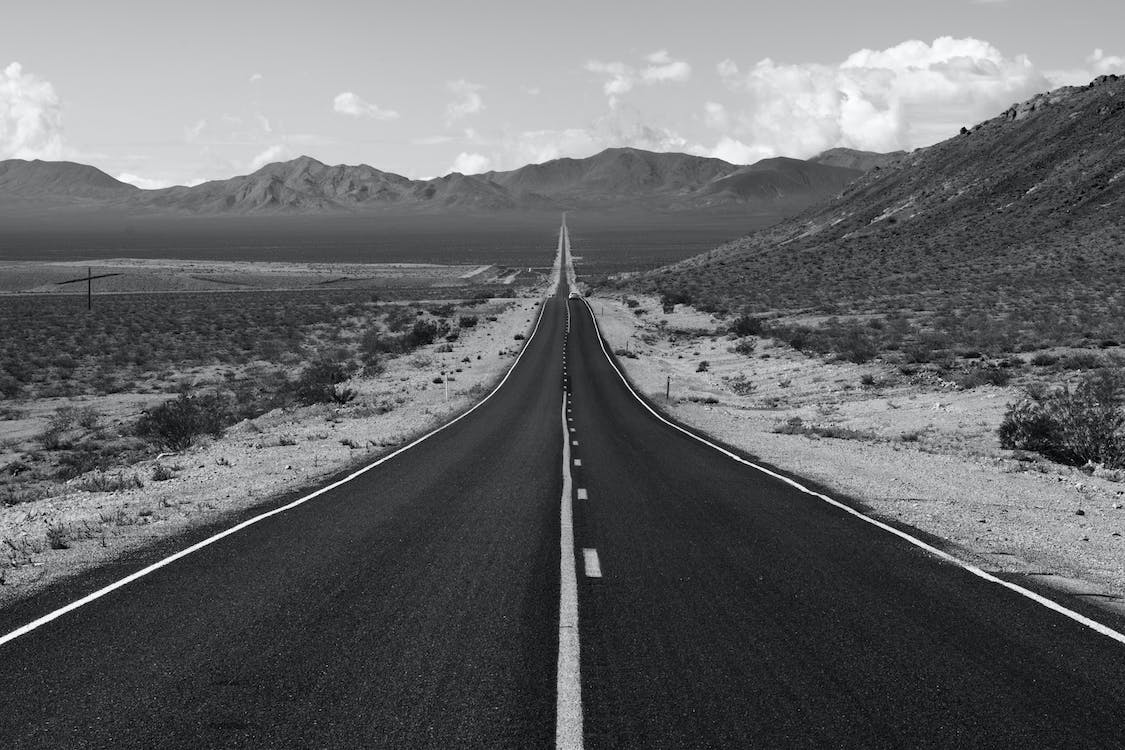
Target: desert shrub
x=467, y=321
x=797, y=426
x=101, y=482
x=423, y=332
x=703, y=366
x=1080, y=361
x=161, y=473
x=175, y=424
x=625, y=353
x=745, y=325
x=1044, y=359
x=740, y=385
x=318, y=383
x=744, y=347
x=1072, y=427
x=9, y=386
x=631, y=303
x=979, y=376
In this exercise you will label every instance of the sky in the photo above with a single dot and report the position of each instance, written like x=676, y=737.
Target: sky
x=161, y=93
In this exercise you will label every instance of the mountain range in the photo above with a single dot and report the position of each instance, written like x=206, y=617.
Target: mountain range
x=1023, y=214
x=616, y=177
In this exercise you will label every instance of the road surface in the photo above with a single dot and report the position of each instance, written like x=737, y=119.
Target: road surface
x=501, y=585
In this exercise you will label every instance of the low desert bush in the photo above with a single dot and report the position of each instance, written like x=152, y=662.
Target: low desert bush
x=1074, y=427
x=175, y=424
x=319, y=383
x=744, y=347
x=745, y=325
x=740, y=385
x=979, y=376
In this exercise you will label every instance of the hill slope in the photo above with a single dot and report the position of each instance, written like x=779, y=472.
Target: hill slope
x=1020, y=220
x=60, y=180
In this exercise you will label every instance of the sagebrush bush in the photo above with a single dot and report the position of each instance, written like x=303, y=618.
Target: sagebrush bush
x=318, y=383
x=1073, y=427
x=745, y=325
x=175, y=424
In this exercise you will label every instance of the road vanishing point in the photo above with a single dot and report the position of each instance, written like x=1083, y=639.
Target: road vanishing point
x=559, y=567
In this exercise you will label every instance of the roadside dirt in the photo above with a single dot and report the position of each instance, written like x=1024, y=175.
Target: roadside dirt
x=256, y=459
x=918, y=453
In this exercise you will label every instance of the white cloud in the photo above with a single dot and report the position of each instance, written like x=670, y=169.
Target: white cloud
x=147, y=183
x=622, y=78
x=619, y=128
x=255, y=77
x=263, y=122
x=715, y=116
x=274, y=153
x=912, y=94
x=192, y=132
x=347, y=103
x=1097, y=64
x=663, y=68
x=467, y=163
x=727, y=68
x=1103, y=64
x=467, y=100
x=30, y=116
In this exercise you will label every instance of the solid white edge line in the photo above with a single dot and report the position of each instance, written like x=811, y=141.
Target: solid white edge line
x=35, y=624
x=568, y=681
x=1038, y=598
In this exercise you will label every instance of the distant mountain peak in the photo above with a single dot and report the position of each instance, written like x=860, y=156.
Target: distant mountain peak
x=620, y=177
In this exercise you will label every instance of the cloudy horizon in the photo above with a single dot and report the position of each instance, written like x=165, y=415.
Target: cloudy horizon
x=394, y=89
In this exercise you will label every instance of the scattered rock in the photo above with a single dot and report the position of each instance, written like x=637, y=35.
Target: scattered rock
x=1079, y=512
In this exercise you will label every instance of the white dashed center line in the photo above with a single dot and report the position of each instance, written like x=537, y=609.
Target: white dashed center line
x=582, y=494
x=593, y=567
x=578, y=462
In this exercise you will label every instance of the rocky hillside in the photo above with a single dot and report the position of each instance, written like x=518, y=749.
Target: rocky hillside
x=1020, y=220
x=615, y=178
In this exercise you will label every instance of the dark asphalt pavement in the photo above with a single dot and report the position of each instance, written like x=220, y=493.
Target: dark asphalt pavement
x=418, y=606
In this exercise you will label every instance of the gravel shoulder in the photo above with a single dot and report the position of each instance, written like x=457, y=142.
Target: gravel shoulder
x=923, y=454
x=256, y=460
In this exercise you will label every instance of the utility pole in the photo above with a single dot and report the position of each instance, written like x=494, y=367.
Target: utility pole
x=668, y=389
x=89, y=279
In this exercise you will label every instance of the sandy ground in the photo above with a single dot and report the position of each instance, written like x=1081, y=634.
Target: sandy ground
x=273, y=454
x=922, y=453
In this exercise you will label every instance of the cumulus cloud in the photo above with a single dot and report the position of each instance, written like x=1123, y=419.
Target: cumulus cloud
x=912, y=94
x=30, y=116
x=255, y=77
x=467, y=100
x=277, y=152
x=621, y=78
x=467, y=163
x=147, y=183
x=621, y=127
x=347, y=103
x=1098, y=63
x=715, y=116
x=663, y=68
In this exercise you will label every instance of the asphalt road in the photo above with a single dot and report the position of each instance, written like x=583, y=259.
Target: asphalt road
x=419, y=606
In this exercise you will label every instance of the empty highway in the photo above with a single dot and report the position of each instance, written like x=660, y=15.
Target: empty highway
x=559, y=567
